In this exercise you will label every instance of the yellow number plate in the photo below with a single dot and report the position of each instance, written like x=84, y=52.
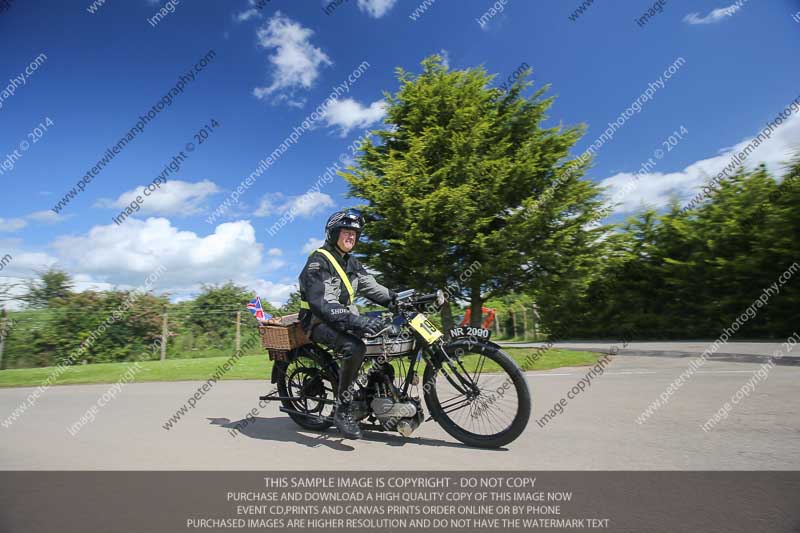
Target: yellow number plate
x=423, y=326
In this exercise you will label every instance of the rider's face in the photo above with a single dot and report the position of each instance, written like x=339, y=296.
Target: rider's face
x=347, y=239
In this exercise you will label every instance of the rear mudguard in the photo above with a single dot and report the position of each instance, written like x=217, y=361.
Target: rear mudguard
x=275, y=373
x=312, y=350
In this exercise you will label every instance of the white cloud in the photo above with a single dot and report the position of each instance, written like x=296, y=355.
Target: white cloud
x=270, y=205
x=656, y=189
x=714, y=16
x=295, y=102
x=24, y=262
x=123, y=256
x=445, y=55
x=376, y=8
x=348, y=114
x=46, y=217
x=312, y=244
x=274, y=293
x=9, y=225
x=275, y=252
x=305, y=205
x=296, y=62
x=247, y=15
x=274, y=264
x=172, y=198
x=310, y=203
x=126, y=254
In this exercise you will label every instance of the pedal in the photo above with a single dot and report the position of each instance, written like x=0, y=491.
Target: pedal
x=268, y=397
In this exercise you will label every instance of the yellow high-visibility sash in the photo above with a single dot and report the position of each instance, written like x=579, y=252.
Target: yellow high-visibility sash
x=342, y=274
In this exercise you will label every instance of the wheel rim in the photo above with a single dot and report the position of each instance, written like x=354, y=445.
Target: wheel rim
x=488, y=412
x=305, y=379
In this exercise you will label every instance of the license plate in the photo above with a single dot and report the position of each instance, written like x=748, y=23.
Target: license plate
x=469, y=331
x=423, y=326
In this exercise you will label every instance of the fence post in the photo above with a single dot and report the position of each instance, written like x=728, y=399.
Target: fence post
x=2, y=334
x=238, y=331
x=513, y=324
x=524, y=323
x=164, y=332
x=497, y=324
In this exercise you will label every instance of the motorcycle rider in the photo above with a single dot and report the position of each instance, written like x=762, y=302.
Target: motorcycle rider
x=329, y=283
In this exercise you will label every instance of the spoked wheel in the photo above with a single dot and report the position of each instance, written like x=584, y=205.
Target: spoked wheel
x=307, y=382
x=484, y=402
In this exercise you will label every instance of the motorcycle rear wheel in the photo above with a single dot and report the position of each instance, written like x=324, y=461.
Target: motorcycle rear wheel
x=307, y=375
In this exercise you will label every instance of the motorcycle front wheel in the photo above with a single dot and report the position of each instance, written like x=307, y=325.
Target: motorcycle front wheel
x=484, y=401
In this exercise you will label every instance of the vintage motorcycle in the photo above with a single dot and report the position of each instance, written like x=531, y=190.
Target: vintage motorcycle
x=472, y=388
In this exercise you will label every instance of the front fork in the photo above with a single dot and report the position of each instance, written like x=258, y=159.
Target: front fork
x=461, y=380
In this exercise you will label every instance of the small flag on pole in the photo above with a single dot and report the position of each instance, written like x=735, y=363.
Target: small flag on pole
x=254, y=306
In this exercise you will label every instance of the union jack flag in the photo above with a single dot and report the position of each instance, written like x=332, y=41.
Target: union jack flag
x=254, y=306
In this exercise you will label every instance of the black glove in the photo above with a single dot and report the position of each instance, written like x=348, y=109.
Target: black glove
x=392, y=305
x=368, y=325
x=394, y=330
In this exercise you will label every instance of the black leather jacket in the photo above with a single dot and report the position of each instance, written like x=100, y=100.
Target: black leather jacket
x=328, y=298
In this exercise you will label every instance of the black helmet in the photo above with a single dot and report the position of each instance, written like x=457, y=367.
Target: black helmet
x=349, y=218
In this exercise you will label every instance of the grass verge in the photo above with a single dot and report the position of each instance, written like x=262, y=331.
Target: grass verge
x=248, y=367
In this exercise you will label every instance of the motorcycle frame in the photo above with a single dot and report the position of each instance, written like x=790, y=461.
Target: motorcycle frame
x=434, y=354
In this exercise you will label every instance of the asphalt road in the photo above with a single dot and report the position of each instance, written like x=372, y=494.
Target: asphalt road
x=597, y=431
x=740, y=352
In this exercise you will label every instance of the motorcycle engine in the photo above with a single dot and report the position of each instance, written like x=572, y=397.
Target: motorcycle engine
x=393, y=413
x=405, y=416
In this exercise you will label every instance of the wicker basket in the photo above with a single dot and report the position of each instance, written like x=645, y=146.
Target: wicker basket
x=280, y=335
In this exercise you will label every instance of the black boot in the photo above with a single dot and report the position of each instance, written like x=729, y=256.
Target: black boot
x=343, y=418
x=345, y=422
x=347, y=377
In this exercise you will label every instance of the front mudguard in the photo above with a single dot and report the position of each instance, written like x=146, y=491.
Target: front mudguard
x=460, y=345
x=453, y=348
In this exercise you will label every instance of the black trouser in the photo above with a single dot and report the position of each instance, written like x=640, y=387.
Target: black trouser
x=352, y=349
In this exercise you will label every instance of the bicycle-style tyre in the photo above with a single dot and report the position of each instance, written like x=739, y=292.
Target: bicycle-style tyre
x=495, y=417
x=307, y=375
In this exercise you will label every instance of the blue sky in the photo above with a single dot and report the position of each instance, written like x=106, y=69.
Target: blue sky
x=274, y=64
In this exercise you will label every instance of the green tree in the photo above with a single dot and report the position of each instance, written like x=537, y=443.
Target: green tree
x=109, y=325
x=52, y=284
x=292, y=305
x=120, y=325
x=213, y=312
x=457, y=178
x=684, y=274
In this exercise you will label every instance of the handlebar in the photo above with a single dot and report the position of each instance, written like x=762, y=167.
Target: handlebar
x=427, y=298
x=405, y=295
x=388, y=328
x=410, y=297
